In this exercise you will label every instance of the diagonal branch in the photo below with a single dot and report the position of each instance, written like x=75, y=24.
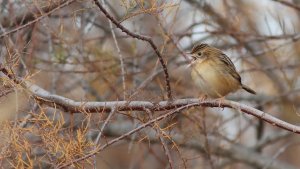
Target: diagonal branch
x=92, y=107
x=143, y=38
x=57, y=101
x=149, y=123
x=289, y=4
x=31, y=20
x=251, y=158
x=235, y=151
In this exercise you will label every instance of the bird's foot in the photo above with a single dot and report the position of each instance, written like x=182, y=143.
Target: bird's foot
x=220, y=100
x=203, y=98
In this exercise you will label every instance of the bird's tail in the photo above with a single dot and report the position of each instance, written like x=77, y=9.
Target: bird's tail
x=248, y=89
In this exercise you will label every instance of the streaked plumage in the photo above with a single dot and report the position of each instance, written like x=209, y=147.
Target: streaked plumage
x=214, y=73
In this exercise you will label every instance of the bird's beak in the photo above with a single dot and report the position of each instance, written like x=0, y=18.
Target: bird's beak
x=192, y=60
x=193, y=56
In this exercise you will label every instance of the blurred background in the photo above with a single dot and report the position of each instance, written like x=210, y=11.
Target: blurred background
x=69, y=48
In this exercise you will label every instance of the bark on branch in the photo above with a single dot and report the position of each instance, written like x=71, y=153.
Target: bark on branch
x=57, y=101
x=93, y=107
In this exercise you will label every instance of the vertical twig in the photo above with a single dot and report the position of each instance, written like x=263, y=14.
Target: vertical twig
x=113, y=110
x=63, y=4
x=207, y=148
x=278, y=152
x=119, y=53
x=161, y=138
x=143, y=38
x=97, y=141
x=150, y=122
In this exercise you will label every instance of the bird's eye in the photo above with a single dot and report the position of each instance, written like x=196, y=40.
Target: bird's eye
x=199, y=54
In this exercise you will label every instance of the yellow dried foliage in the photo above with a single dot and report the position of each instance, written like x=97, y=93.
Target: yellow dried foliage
x=44, y=141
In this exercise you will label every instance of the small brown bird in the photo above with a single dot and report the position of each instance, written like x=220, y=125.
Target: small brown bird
x=214, y=73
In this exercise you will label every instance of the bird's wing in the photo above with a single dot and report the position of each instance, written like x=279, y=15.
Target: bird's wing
x=230, y=66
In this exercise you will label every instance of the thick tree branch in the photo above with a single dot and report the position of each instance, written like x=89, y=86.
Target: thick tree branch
x=92, y=107
x=67, y=104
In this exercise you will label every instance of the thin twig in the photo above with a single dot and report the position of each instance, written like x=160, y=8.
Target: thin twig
x=36, y=20
x=120, y=55
x=279, y=151
x=232, y=151
x=270, y=139
x=206, y=141
x=162, y=140
x=69, y=105
x=73, y=106
x=97, y=141
x=113, y=111
x=143, y=38
x=145, y=82
x=289, y=4
x=127, y=134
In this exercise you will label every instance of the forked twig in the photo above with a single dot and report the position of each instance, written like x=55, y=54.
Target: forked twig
x=36, y=19
x=143, y=38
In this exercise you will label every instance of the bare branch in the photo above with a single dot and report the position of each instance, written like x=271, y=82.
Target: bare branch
x=127, y=134
x=143, y=38
x=235, y=152
x=268, y=140
x=161, y=135
x=91, y=107
x=232, y=151
x=286, y=3
x=121, y=58
x=66, y=3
